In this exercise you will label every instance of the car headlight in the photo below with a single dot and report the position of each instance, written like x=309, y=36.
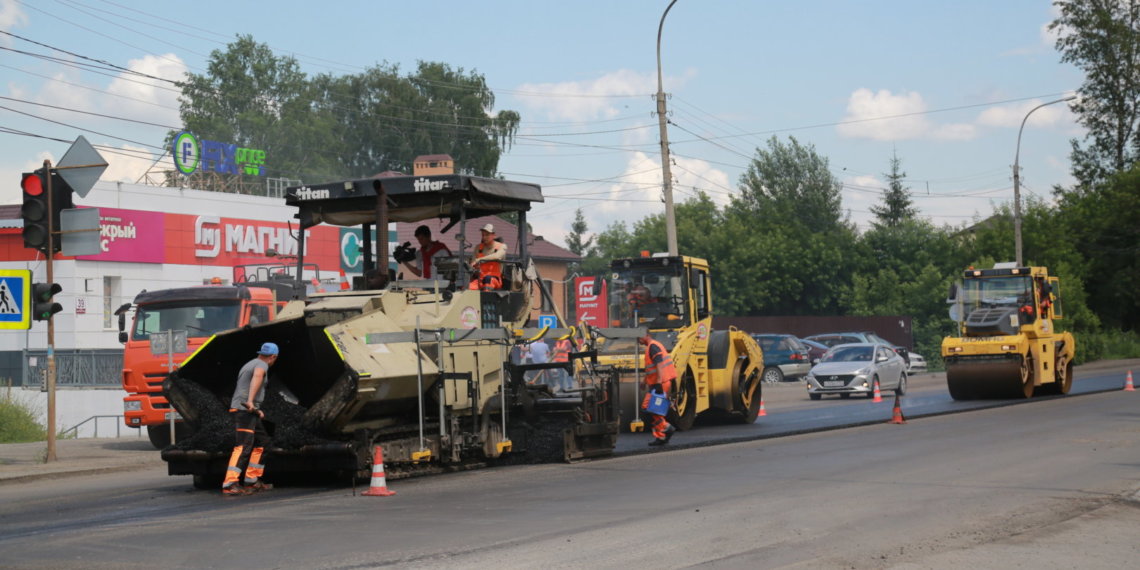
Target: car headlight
x=132, y=406
x=862, y=372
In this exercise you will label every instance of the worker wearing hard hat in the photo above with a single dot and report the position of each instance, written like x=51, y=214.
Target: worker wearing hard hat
x=488, y=262
x=243, y=476
x=659, y=377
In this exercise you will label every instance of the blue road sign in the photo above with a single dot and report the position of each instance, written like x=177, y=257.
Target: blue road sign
x=550, y=321
x=15, y=299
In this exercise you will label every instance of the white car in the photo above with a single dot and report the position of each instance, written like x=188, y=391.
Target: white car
x=855, y=369
x=917, y=364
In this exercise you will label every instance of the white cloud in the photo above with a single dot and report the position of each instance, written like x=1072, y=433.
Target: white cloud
x=131, y=165
x=601, y=98
x=12, y=15
x=884, y=116
x=1049, y=37
x=148, y=99
x=1012, y=115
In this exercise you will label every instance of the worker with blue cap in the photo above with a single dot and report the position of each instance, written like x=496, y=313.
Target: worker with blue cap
x=243, y=476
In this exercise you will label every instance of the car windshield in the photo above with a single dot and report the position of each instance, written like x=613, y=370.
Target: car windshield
x=198, y=319
x=849, y=354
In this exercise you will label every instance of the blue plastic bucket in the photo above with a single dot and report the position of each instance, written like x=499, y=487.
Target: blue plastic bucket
x=658, y=404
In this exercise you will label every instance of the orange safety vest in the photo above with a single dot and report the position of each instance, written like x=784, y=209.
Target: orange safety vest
x=659, y=367
x=492, y=268
x=562, y=351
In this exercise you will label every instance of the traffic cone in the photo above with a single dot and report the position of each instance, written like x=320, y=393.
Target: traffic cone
x=878, y=395
x=379, y=485
x=762, y=412
x=1128, y=383
x=317, y=286
x=896, y=414
x=344, y=285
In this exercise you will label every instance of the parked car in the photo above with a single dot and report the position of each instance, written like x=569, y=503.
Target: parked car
x=916, y=364
x=833, y=339
x=854, y=368
x=815, y=350
x=785, y=357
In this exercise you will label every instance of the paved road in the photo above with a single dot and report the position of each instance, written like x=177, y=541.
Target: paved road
x=1048, y=484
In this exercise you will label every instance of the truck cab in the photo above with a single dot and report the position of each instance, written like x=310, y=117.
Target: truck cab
x=200, y=312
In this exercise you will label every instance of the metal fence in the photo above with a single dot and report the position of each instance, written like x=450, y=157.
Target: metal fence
x=75, y=367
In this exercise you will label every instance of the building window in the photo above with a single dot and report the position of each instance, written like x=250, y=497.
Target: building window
x=112, y=293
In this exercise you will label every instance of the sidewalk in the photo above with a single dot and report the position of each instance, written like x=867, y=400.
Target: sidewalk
x=25, y=461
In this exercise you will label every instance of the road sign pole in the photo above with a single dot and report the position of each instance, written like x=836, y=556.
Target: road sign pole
x=51, y=322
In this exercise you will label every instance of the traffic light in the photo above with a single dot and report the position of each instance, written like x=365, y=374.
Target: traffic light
x=35, y=210
x=42, y=305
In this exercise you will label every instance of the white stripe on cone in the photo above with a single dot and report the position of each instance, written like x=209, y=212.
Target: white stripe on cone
x=379, y=485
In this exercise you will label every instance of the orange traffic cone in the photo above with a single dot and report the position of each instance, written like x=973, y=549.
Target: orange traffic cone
x=317, y=286
x=896, y=414
x=379, y=485
x=344, y=285
x=878, y=395
x=1128, y=383
x=762, y=412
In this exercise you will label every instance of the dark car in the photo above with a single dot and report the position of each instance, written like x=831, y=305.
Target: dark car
x=836, y=339
x=785, y=357
x=816, y=350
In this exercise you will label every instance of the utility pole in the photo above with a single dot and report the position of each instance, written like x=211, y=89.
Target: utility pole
x=51, y=322
x=666, y=173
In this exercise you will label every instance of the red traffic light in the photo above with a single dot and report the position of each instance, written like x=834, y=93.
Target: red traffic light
x=32, y=184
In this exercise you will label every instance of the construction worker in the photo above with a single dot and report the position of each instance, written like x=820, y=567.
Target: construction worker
x=243, y=476
x=429, y=250
x=659, y=376
x=487, y=265
x=561, y=353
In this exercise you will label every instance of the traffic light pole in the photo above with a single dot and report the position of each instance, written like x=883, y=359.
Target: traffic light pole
x=50, y=381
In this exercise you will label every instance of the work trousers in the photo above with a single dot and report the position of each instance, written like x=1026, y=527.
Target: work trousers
x=658, y=424
x=250, y=442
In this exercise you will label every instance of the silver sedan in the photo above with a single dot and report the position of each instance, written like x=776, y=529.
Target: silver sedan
x=855, y=368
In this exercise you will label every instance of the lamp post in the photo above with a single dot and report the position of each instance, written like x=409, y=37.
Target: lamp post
x=1017, y=180
x=666, y=174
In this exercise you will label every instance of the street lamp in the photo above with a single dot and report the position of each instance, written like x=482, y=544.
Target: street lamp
x=1017, y=180
x=666, y=174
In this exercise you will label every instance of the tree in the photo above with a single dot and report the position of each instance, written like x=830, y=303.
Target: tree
x=334, y=127
x=897, y=206
x=791, y=184
x=574, y=239
x=1102, y=39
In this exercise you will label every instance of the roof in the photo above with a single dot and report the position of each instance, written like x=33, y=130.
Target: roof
x=433, y=157
x=538, y=248
x=410, y=199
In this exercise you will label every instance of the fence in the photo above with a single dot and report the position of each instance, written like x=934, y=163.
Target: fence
x=73, y=431
x=75, y=367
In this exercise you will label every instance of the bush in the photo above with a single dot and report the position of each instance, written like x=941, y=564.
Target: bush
x=18, y=421
x=1107, y=345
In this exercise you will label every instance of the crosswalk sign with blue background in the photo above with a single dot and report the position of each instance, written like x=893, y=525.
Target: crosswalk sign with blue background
x=15, y=299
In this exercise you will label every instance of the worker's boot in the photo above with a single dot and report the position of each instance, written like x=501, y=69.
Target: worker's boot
x=669, y=433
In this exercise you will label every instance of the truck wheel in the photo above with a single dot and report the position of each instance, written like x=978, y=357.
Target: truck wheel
x=160, y=435
x=684, y=410
x=773, y=375
x=1063, y=379
x=208, y=482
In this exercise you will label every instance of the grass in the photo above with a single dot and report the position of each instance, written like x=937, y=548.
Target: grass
x=18, y=420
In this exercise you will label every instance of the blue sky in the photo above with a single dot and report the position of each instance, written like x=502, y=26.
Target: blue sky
x=945, y=85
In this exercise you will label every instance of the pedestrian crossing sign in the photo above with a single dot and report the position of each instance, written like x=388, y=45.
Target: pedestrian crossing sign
x=15, y=299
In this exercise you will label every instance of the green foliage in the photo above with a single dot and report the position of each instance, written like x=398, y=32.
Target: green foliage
x=576, y=240
x=1107, y=345
x=1102, y=227
x=18, y=421
x=1102, y=39
x=335, y=127
x=897, y=207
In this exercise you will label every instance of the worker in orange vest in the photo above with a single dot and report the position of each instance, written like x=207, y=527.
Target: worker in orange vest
x=488, y=262
x=562, y=354
x=659, y=376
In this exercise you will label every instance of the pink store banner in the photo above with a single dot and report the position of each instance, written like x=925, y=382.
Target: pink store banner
x=130, y=235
